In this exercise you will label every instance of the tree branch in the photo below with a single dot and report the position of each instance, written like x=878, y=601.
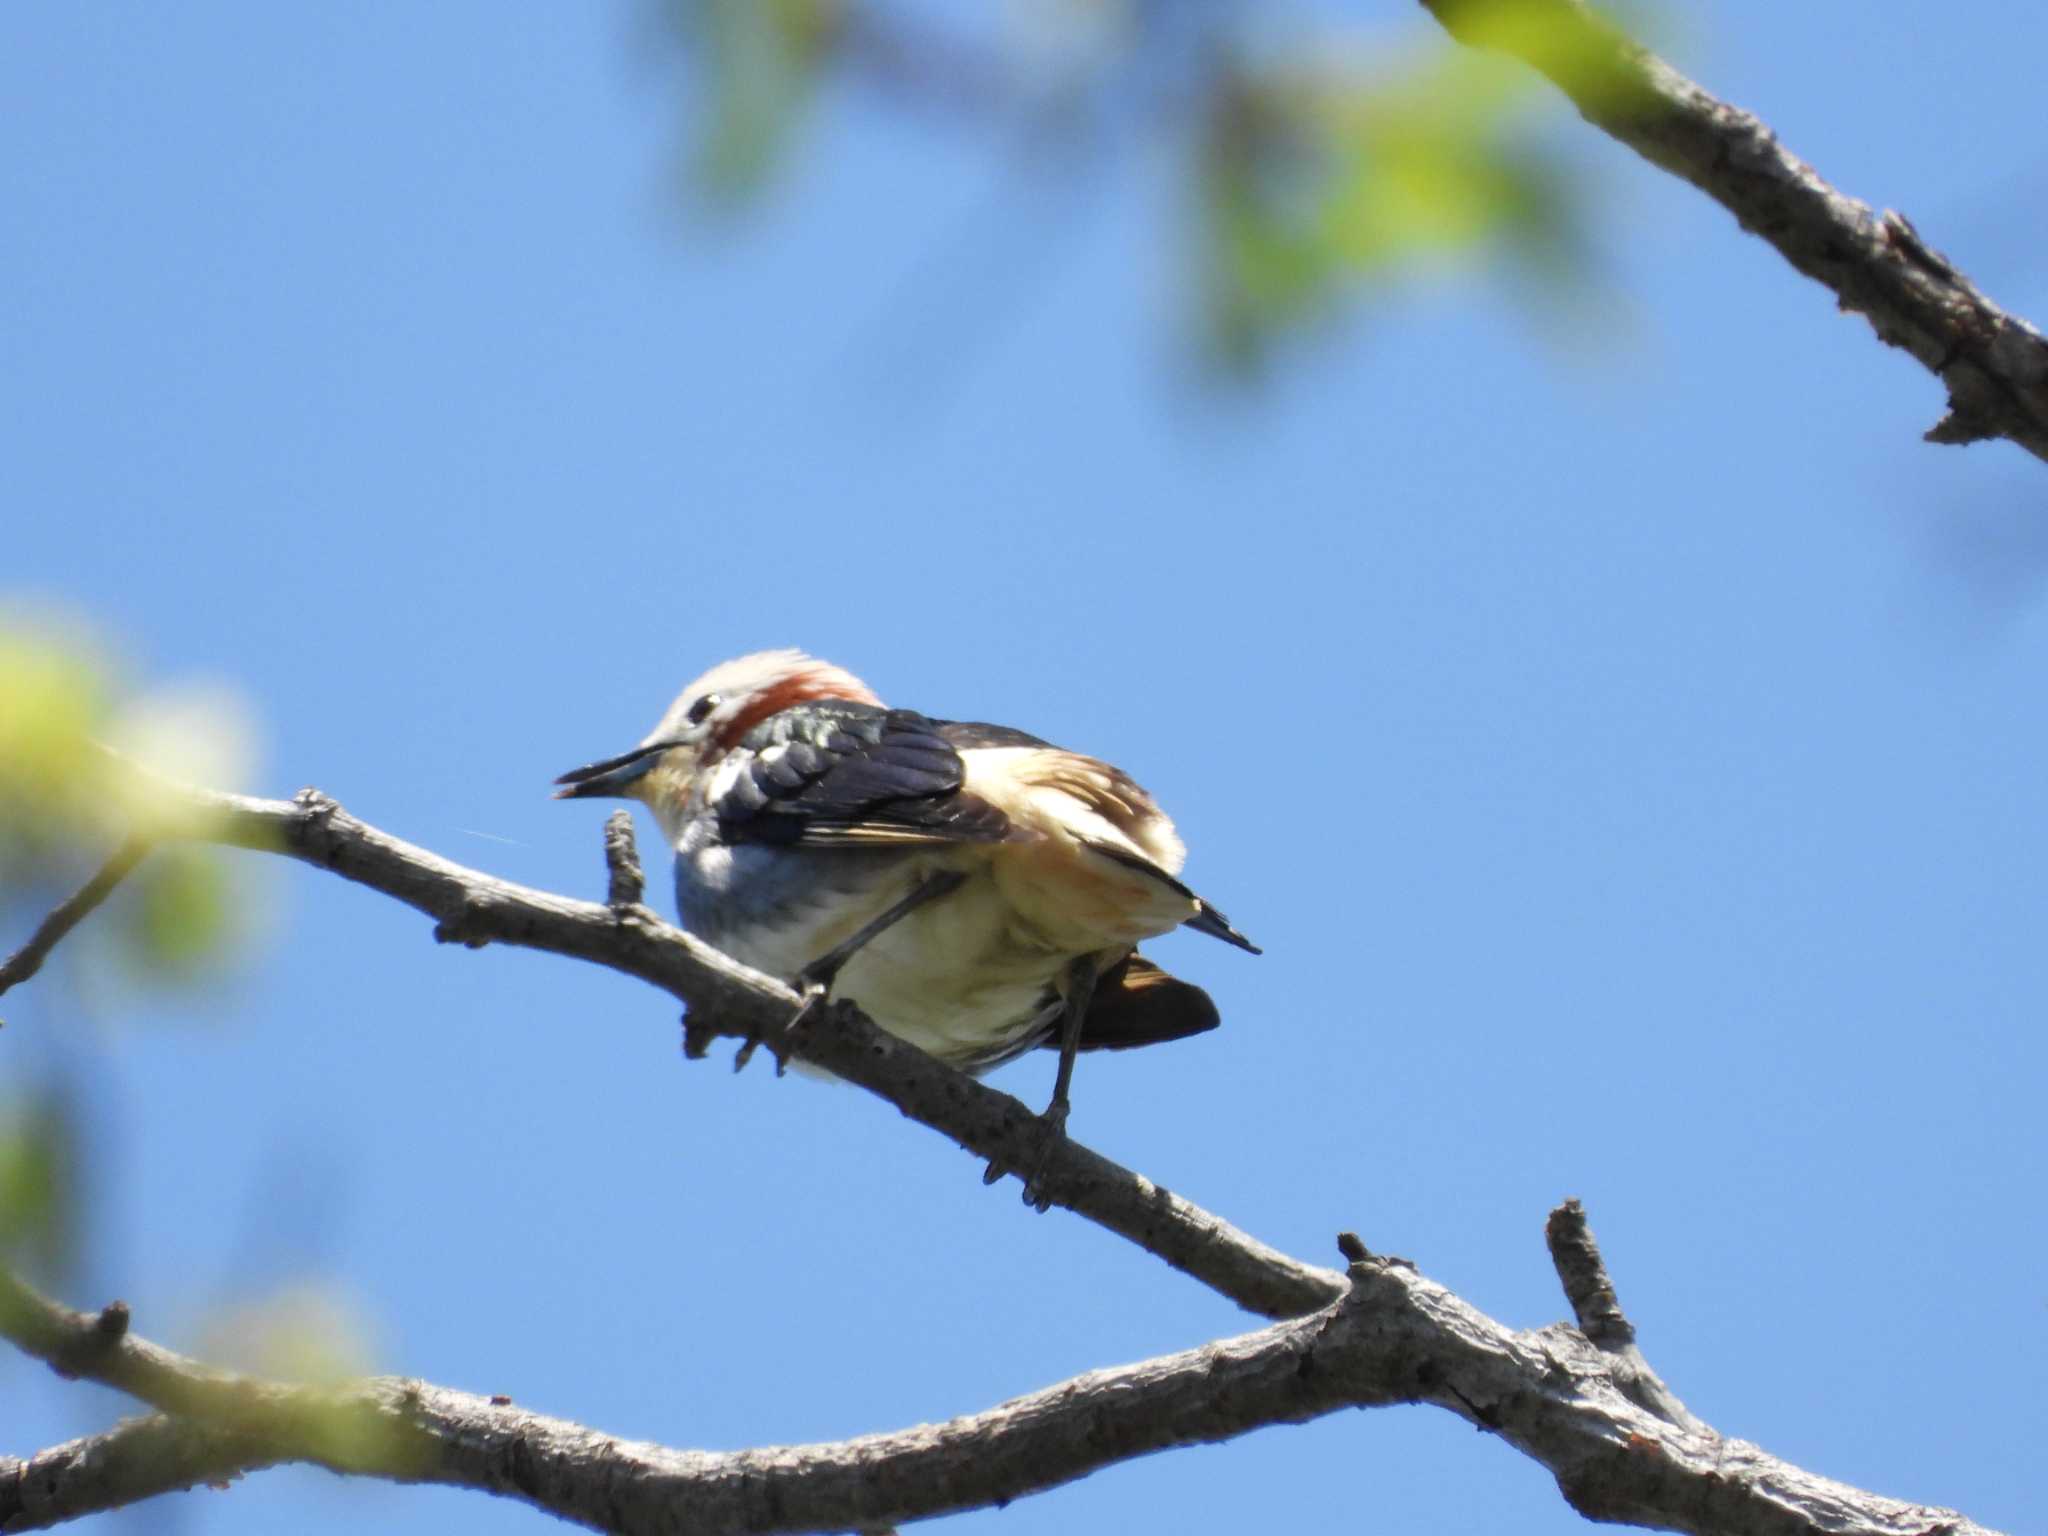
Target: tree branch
x=725, y=998
x=1994, y=364
x=1392, y=1336
x=1583, y=1274
x=1620, y=1445
x=135, y=1460
x=28, y=959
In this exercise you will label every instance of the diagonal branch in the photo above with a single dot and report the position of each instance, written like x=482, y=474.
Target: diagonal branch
x=68, y=914
x=1994, y=364
x=726, y=998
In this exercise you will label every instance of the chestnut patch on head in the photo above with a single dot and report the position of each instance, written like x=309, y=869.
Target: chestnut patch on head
x=814, y=681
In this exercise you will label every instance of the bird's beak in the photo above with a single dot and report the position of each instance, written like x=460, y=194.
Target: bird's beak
x=613, y=775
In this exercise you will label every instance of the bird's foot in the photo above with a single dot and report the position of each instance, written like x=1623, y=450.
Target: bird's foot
x=816, y=990
x=1052, y=1130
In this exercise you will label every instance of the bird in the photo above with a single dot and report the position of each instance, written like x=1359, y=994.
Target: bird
x=972, y=888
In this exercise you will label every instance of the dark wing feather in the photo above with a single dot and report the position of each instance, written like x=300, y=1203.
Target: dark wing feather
x=848, y=775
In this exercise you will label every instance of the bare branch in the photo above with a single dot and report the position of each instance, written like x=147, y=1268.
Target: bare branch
x=1391, y=1337
x=1583, y=1273
x=1994, y=364
x=28, y=959
x=410, y=1432
x=725, y=998
x=135, y=1460
x=1622, y=1448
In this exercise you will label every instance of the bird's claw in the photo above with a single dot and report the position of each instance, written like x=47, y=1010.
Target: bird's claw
x=1052, y=1130
x=779, y=1043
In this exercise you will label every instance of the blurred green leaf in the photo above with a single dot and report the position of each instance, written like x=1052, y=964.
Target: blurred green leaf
x=305, y=1333
x=1315, y=180
x=1318, y=168
x=53, y=697
x=178, y=914
x=762, y=60
x=64, y=807
x=1264, y=266
x=1417, y=171
x=313, y=1335
x=188, y=732
x=39, y=1147
x=1583, y=52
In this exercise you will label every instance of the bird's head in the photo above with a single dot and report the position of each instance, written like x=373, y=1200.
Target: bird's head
x=706, y=721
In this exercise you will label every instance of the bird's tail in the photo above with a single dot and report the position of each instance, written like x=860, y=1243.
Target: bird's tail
x=1136, y=1003
x=1217, y=926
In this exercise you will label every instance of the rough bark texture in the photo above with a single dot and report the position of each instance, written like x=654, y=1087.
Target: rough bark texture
x=135, y=1460
x=1994, y=364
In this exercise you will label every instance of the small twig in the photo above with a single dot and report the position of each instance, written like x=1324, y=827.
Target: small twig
x=1993, y=363
x=28, y=959
x=1583, y=1273
x=628, y=883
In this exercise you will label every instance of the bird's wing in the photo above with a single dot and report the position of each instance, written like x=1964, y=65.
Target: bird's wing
x=970, y=734
x=1206, y=919
x=850, y=776
x=1045, y=789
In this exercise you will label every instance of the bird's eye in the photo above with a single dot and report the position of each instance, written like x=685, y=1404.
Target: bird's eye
x=702, y=708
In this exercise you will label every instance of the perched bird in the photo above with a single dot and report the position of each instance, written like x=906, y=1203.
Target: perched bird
x=975, y=890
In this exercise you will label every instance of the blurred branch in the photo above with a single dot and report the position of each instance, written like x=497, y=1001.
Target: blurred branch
x=1994, y=364
x=27, y=960
x=1389, y=1336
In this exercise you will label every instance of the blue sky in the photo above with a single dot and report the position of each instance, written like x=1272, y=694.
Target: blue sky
x=1621, y=737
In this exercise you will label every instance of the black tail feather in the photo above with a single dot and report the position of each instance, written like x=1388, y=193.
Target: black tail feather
x=1217, y=926
x=1206, y=920
x=1136, y=1003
